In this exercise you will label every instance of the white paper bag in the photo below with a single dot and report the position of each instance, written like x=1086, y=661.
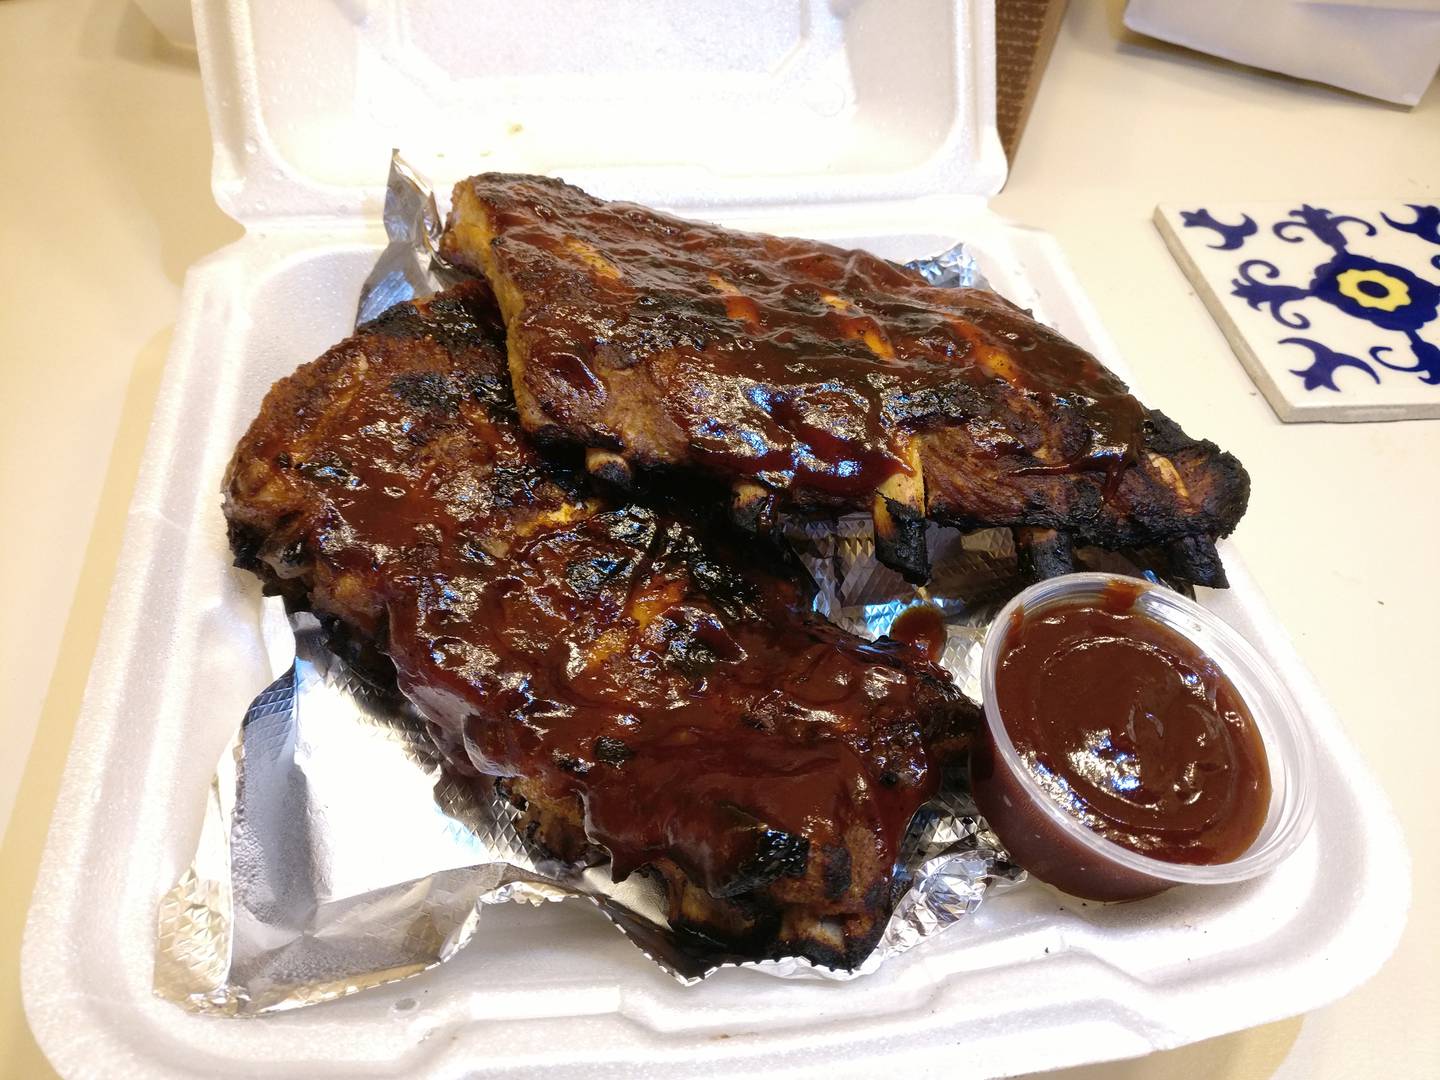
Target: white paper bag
x=1388, y=49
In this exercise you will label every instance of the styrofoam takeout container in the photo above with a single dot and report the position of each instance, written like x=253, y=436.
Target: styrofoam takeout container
x=841, y=119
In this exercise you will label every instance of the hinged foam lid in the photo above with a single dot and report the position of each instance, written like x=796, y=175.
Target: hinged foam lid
x=673, y=102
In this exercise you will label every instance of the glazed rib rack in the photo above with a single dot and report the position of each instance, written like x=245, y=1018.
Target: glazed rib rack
x=807, y=377
x=649, y=689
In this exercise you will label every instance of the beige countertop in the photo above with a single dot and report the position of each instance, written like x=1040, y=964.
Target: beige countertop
x=104, y=170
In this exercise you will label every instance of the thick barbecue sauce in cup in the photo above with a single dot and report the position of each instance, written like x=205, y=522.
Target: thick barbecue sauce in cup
x=1130, y=743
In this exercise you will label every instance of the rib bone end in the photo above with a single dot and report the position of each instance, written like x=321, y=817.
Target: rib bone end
x=610, y=467
x=1196, y=559
x=899, y=516
x=1044, y=553
x=752, y=506
x=900, y=538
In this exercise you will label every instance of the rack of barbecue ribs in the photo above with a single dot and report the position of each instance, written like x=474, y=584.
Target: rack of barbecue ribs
x=807, y=377
x=643, y=686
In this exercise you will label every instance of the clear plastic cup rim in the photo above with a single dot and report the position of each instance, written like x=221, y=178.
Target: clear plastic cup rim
x=1272, y=707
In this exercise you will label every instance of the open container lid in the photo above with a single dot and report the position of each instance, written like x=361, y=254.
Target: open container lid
x=697, y=104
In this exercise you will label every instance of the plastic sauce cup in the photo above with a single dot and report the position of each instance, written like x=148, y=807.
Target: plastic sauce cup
x=1057, y=847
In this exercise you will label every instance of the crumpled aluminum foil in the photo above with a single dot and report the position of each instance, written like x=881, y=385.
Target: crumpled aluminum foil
x=338, y=853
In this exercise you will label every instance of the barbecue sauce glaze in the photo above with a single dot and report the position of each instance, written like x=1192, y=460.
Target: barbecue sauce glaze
x=802, y=365
x=1130, y=728
x=671, y=681
x=922, y=626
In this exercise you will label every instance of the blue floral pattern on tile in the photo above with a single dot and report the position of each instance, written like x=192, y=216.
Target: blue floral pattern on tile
x=1231, y=236
x=1327, y=362
x=1426, y=224
x=1388, y=296
x=1258, y=294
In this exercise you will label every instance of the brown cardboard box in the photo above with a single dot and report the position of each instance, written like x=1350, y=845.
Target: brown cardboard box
x=1024, y=34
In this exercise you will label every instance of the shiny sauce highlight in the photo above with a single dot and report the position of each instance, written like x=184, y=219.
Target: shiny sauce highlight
x=1130, y=728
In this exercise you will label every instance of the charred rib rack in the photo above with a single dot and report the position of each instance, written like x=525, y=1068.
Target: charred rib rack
x=646, y=689
x=811, y=377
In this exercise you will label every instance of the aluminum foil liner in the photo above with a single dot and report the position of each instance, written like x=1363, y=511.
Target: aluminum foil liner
x=338, y=853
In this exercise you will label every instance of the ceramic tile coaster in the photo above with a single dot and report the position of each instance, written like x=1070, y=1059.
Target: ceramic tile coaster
x=1333, y=308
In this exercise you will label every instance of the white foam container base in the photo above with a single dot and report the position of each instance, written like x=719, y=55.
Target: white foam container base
x=1034, y=980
